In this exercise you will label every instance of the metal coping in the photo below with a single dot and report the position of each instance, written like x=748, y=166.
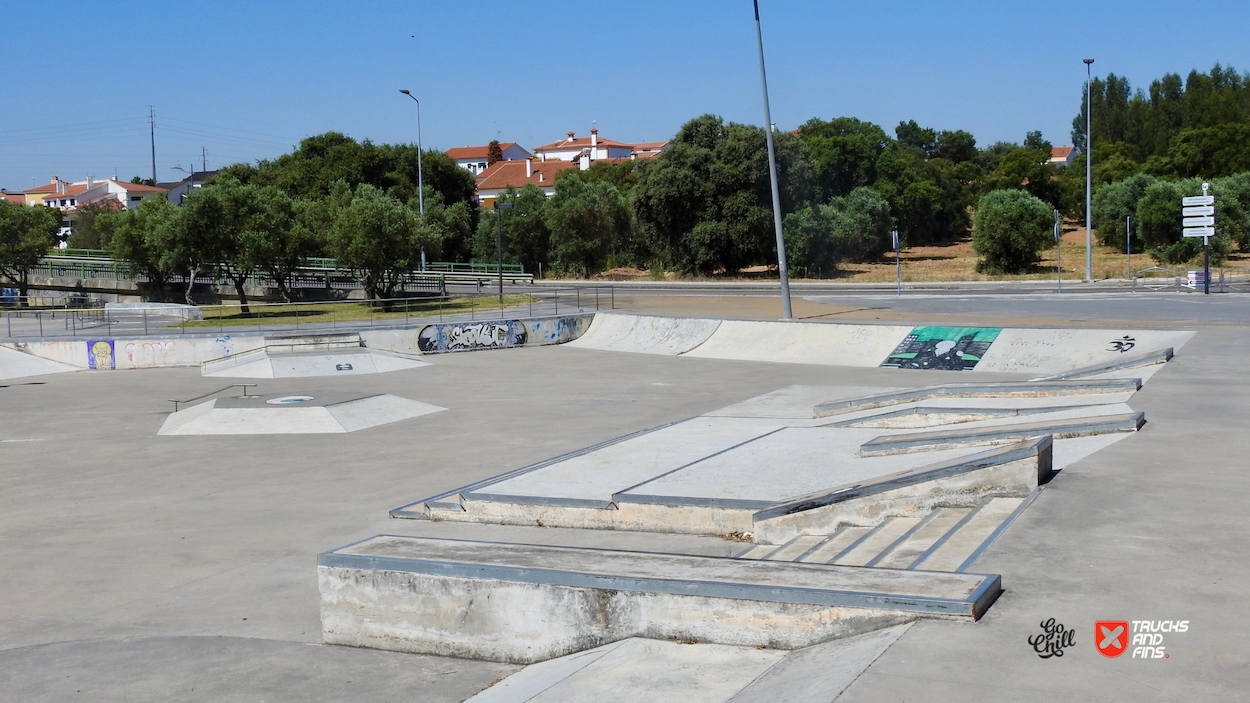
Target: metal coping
x=979, y=390
x=938, y=410
x=538, y=500
x=951, y=467
x=406, y=511
x=1121, y=422
x=1159, y=356
x=691, y=502
x=974, y=605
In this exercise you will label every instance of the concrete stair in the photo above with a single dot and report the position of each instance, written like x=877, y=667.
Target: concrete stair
x=947, y=539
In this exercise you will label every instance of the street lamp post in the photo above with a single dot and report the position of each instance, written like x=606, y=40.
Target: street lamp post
x=1089, y=176
x=420, y=181
x=499, y=248
x=772, y=176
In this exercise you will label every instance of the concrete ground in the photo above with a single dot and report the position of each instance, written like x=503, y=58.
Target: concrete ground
x=138, y=567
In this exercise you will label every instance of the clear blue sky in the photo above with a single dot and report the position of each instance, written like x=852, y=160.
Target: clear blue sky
x=248, y=80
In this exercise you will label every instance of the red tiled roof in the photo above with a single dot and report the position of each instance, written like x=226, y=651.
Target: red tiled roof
x=141, y=188
x=649, y=146
x=110, y=202
x=512, y=173
x=19, y=198
x=1061, y=152
x=476, y=152
x=580, y=143
x=46, y=188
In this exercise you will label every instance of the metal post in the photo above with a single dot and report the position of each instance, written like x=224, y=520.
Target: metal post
x=1059, y=249
x=1089, y=175
x=898, y=263
x=1128, y=247
x=1206, y=266
x=420, y=176
x=145, y=321
x=772, y=176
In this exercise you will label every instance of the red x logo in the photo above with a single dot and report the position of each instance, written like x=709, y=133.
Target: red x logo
x=1111, y=637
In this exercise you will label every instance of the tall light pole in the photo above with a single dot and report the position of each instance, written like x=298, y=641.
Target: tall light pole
x=1089, y=176
x=499, y=208
x=772, y=176
x=420, y=181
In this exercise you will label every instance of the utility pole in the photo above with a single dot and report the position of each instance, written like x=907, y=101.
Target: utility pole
x=152, y=135
x=203, y=159
x=1089, y=176
x=772, y=177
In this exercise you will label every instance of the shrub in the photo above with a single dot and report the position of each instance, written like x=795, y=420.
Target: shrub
x=1010, y=230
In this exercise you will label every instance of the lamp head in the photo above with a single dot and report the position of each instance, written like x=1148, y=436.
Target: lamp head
x=404, y=91
x=1088, y=61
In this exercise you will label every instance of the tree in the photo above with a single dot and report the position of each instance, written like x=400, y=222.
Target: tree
x=494, y=153
x=1159, y=217
x=911, y=134
x=585, y=220
x=843, y=153
x=1113, y=204
x=526, y=237
x=83, y=234
x=138, y=236
x=379, y=239
x=957, y=146
x=1034, y=140
x=855, y=228
x=199, y=240
x=1221, y=150
x=1027, y=169
x=1235, y=190
x=705, y=204
x=26, y=236
x=929, y=197
x=1010, y=231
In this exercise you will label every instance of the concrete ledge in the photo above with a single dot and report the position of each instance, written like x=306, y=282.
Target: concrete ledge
x=1161, y=356
x=525, y=603
x=1013, y=471
x=1023, y=389
x=948, y=439
x=973, y=414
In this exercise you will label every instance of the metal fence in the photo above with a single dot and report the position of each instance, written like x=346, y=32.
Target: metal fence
x=313, y=316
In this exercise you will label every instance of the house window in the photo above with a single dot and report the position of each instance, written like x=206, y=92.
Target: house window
x=135, y=198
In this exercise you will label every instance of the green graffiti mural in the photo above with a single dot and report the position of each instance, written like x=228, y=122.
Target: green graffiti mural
x=945, y=348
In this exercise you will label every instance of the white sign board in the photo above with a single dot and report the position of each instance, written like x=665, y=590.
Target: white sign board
x=1198, y=200
x=1199, y=232
x=1198, y=221
x=1198, y=211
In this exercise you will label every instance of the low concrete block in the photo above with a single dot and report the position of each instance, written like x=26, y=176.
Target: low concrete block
x=1026, y=389
x=527, y=603
x=1002, y=434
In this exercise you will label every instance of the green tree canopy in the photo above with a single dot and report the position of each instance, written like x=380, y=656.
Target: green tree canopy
x=26, y=236
x=1011, y=230
x=855, y=227
x=585, y=220
x=139, y=236
x=379, y=239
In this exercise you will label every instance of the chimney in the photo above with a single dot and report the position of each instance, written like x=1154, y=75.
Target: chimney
x=570, y=136
x=585, y=161
x=61, y=186
x=90, y=182
x=543, y=156
x=529, y=168
x=594, y=138
x=540, y=176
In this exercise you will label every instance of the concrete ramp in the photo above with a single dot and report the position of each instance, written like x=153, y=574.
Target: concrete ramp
x=1056, y=351
x=16, y=364
x=330, y=412
x=802, y=342
x=646, y=334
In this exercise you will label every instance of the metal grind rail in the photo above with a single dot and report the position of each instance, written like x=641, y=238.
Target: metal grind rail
x=244, y=386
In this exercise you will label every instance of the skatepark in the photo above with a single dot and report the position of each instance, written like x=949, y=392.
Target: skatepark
x=666, y=504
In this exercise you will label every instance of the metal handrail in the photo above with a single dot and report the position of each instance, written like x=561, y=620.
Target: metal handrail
x=244, y=386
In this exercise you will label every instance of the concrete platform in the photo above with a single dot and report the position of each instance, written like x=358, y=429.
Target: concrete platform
x=318, y=412
x=527, y=603
x=653, y=671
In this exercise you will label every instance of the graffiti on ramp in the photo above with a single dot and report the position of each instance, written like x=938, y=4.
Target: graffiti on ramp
x=943, y=348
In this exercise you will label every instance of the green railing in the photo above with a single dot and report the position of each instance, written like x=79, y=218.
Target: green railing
x=314, y=263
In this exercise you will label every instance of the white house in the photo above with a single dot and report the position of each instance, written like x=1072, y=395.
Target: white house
x=1062, y=155
x=475, y=158
x=574, y=148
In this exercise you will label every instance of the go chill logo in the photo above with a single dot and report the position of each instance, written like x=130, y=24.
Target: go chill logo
x=1112, y=637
